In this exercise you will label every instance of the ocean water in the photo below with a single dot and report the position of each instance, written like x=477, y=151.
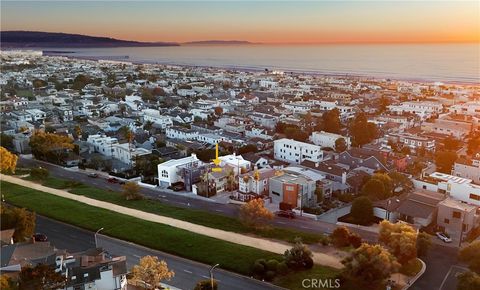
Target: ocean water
x=423, y=62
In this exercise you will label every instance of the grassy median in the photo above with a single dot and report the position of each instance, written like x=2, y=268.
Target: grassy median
x=172, y=240
x=200, y=217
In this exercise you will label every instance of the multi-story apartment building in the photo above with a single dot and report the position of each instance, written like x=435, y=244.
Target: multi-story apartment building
x=326, y=139
x=168, y=172
x=155, y=117
x=412, y=141
x=456, y=127
x=456, y=187
x=176, y=132
x=423, y=109
x=468, y=108
x=101, y=144
x=292, y=188
x=128, y=153
x=293, y=151
x=468, y=168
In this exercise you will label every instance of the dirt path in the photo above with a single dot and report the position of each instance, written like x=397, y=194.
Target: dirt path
x=259, y=243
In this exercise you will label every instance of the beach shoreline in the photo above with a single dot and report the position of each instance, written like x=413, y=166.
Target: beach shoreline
x=349, y=75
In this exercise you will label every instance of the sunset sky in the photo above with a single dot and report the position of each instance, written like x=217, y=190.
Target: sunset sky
x=255, y=21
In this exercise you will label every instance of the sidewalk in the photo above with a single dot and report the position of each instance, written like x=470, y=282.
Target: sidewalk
x=259, y=243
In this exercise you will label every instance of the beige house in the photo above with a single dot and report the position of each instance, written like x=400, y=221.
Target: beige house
x=453, y=213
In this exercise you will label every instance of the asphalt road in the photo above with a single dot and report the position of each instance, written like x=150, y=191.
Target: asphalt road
x=187, y=272
x=231, y=210
x=439, y=260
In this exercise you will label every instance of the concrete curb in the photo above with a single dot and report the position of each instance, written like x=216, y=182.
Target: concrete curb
x=420, y=273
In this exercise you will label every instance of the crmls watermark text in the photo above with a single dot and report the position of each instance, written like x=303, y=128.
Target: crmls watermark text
x=313, y=283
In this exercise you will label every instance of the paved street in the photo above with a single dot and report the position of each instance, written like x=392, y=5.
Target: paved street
x=303, y=224
x=187, y=272
x=439, y=261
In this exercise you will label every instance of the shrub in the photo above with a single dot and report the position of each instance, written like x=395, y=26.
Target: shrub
x=308, y=263
x=39, y=173
x=282, y=268
x=269, y=275
x=298, y=257
x=355, y=240
x=258, y=268
x=340, y=237
x=206, y=285
x=272, y=265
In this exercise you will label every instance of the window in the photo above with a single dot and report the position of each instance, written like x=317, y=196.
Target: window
x=474, y=196
x=456, y=214
x=165, y=173
x=289, y=187
x=447, y=221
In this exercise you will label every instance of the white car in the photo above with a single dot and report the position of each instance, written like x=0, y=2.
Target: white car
x=443, y=237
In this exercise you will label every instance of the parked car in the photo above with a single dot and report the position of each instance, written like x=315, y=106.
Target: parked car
x=112, y=180
x=40, y=237
x=444, y=237
x=93, y=175
x=178, y=186
x=286, y=213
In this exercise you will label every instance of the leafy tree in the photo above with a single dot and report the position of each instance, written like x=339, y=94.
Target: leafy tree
x=50, y=146
x=6, y=141
x=19, y=219
x=148, y=126
x=299, y=256
x=362, y=210
x=331, y=121
x=468, y=281
x=247, y=148
x=158, y=91
x=473, y=144
x=378, y=187
x=151, y=271
x=400, y=181
x=451, y=144
x=294, y=132
x=307, y=122
x=400, y=239
x=40, y=277
x=340, y=145
x=131, y=191
x=78, y=131
x=470, y=254
x=370, y=265
x=7, y=283
x=444, y=161
x=218, y=111
x=374, y=189
x=362, y=131
x=81, y=81
x=383, y=103
x=8, y=161
x=424, y=243
x=206, y=285
x=38, y=83
x=255, y=214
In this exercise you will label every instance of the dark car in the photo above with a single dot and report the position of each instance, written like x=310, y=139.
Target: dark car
x=40, y=237
x=112, y=180
x=93, y=175
x=178, y=186
x=286, y=213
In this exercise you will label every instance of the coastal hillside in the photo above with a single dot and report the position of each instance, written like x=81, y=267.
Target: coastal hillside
x=25, y=39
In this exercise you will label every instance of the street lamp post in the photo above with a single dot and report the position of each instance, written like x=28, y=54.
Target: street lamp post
x=211, y=274
x=95, y=235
